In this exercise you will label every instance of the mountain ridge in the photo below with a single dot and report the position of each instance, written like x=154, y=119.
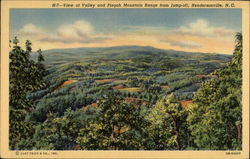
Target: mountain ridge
x=58, y=56
x=128, y=46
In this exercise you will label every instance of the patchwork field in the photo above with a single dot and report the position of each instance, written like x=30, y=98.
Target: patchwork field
x=141, y=73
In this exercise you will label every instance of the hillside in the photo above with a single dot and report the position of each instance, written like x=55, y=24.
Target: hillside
x=144, y=73
x=59, y=56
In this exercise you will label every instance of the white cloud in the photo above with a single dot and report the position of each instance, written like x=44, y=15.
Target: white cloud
x=201, y=27
x=183, y=44
x=31, y=30
x=77, y=30
x=80, y=31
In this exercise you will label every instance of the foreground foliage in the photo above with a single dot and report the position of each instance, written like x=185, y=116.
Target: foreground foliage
x=26, y=75
x=216, y=115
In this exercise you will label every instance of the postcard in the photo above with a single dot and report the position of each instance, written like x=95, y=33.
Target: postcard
x=124, y=79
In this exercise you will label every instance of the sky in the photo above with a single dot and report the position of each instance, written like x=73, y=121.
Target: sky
x=195, y=30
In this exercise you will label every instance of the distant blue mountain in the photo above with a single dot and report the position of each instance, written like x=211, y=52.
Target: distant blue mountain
x=118, y=52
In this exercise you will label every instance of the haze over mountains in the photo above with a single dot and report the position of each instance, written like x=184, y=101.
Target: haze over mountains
x=117, y=52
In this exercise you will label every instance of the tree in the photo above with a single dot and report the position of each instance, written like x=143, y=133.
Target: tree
x=59, y=133
x=115, y=118
x=24, y=78
x=216, y=115
x=91, y=137
x=40, y=64
x=168, y=120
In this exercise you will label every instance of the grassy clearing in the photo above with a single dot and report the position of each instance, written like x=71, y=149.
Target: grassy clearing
x=90, y=105
x=104, y=80
x=118, y=87
x=185, y=103
x=65, y=83
x=131, y=89
x=165, y=86
x=135, y=100
x=122, y=129
x=119, y=81
x=116, y=81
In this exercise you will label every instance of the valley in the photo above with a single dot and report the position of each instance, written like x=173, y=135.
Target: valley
x=141, y=73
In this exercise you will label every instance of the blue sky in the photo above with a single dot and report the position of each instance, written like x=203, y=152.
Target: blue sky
x=99, y=27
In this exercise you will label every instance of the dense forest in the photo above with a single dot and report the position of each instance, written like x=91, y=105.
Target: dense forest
x=124, y=98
